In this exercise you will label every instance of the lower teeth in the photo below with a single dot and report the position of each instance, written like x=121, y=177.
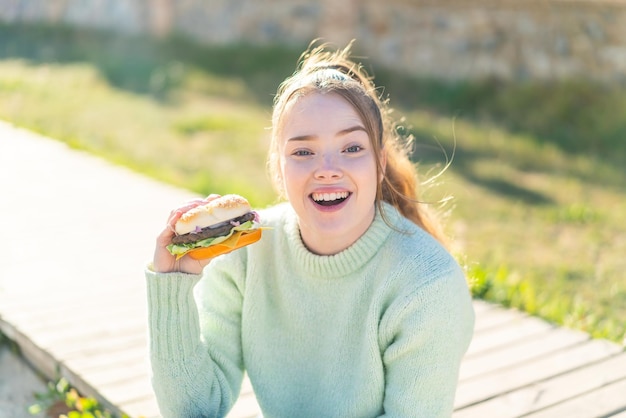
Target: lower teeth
x=329, y=202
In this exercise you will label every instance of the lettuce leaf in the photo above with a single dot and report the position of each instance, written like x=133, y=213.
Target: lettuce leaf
x=181, y=249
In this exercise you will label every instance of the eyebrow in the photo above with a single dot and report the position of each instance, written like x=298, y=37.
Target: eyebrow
x=340, y=133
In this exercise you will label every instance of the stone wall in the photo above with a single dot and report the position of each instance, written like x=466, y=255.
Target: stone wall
x=510, y=39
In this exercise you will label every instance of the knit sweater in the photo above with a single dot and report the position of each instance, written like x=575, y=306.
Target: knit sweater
x=378, y=329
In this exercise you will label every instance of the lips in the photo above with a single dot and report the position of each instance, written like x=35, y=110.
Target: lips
x=330, y=199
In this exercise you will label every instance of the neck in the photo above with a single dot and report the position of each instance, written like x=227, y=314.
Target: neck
x=330, y=244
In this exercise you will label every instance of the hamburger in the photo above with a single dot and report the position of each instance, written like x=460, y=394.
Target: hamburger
x=218, y=227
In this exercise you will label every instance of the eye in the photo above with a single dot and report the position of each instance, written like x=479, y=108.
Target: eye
x=302, y=153
x=353, y=148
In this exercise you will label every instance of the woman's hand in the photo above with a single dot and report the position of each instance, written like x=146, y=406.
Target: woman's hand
x=164, y=261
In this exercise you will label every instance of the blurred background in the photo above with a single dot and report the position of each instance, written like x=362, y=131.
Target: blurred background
x=517, y=109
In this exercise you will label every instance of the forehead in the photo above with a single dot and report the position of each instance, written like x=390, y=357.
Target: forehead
x=320, y=111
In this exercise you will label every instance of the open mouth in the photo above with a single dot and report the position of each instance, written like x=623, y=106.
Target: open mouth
x=330, y=199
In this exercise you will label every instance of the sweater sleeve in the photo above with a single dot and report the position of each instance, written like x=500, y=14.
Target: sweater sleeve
x=195, y=345
x=424, y=335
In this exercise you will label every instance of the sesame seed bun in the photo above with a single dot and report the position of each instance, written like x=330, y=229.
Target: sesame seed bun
x=219, y=210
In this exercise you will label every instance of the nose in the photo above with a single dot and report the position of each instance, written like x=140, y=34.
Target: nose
x=328, y=168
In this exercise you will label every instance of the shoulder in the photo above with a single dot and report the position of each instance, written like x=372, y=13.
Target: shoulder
x=423, y=252
x=418, y=254
x=426, y=281
x=416, y=266
x=425, y=273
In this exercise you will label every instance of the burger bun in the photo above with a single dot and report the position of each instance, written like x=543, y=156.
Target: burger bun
x=216, y=211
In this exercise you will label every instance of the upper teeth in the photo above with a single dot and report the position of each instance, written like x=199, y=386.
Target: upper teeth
x=329, y=196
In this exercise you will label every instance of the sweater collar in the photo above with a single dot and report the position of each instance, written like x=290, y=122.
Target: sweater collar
x=347, y=261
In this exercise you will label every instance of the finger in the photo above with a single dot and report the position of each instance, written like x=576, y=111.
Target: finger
x=165, y=236
x=211, y=197
x=189, y=265
x=178, y=212
x=188, y=205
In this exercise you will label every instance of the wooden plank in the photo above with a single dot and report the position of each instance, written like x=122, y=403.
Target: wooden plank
x=500, y=382
x=39, y=359
x=87, y=390
x=115, y=396
x=144, y=408
x=543, y=344
x=85, y=335
x=73, y=349
x=112, y=375
x=246, y=386
x=76, y=370
x=245, y=407
x=544, y=394
x=481, y=306
x=113, y=359
x=517, y=330
x=130, y=390
x=69, y=312
x=84, y=291
x=495, y=317
x=70, y=304
x=602, y=402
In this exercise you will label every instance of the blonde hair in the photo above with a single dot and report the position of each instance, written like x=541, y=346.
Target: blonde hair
x=324, y=70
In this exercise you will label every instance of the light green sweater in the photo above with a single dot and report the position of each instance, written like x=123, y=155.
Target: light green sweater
x=376, y=330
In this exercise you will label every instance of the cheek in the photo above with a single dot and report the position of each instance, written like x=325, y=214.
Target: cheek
x=368, y=177
x=293, y=176
x=365, y=168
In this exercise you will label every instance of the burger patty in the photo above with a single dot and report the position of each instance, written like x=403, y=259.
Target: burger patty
x=217, y=230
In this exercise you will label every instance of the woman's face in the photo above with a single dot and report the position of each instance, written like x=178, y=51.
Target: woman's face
x=328, y=170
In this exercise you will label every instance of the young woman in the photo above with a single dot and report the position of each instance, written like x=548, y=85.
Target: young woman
x=349, y=306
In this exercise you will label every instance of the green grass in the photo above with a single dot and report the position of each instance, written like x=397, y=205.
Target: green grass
x=539, y=208
x=62, y=400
